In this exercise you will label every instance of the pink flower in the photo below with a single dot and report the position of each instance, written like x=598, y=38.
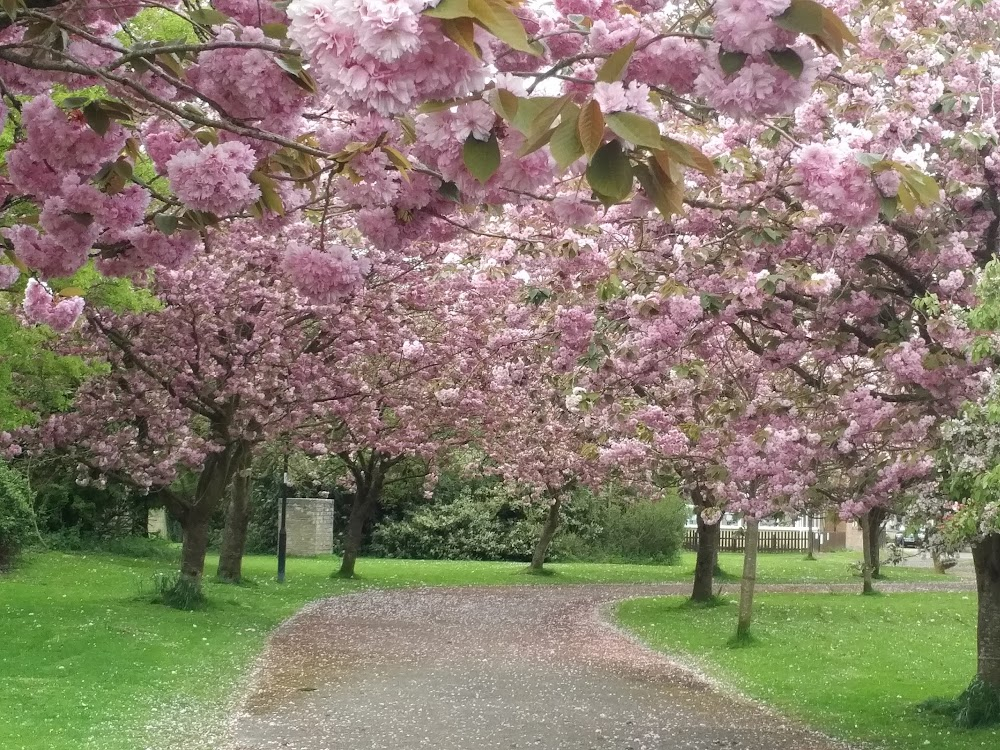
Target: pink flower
x=250, y=12
x=9, y=276
x=448, y=396
x=412, y=350
x=610, y=96
x=837, y=183
x=149, y=248
x=746, y=25
x=381, y=55
x=214, y=178
x=758, y=88
x=40, y=307
x=58, y=145
x=324, y=276
x=43, y=253
x=888, y=182
x=248, y=83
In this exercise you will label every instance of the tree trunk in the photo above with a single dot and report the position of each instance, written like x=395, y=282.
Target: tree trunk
x=866, y=554
x=194, y=547
x=986, y=556
x=366, y=497
x=811, y=540
x=749, y=582
x=706, y=561
x=195, y=514
x=234, y=535
x=548, y=531
x=876, y=519
x=938, y=562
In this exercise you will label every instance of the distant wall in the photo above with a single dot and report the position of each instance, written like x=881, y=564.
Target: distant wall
x=309, y=525
x=156, y=523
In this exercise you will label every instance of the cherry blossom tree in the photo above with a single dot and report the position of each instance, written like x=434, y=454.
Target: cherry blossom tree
x=235, y=358
x=398, y=112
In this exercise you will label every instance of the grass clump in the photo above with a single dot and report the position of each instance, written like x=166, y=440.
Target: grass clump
x=977, y=706
x=177, y=591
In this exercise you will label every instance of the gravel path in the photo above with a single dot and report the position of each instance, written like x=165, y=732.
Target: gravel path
x=490, y=668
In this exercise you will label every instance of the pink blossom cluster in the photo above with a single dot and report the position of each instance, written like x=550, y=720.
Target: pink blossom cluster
x=74, y=220
x=617, y=97
x=250, y=12
x=324, y=276
x=747, y=25
x=758, y=88
x=381, y=55
x=837, y=183
x=247, y=83
x=58, y=145
x=8, y=275
x=214, y=178
x=149, y=248
x=40, y=307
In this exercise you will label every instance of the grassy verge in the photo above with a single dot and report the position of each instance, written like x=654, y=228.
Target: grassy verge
x=86, y=663
x=853, y=666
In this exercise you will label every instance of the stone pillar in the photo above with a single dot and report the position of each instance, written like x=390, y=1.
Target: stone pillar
x=156, y=523
x=309, y=524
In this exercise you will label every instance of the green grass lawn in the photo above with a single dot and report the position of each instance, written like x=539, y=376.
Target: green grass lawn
x=853, y=666
x=87, y=663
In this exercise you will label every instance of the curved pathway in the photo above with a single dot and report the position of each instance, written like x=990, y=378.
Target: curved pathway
x=493, y=668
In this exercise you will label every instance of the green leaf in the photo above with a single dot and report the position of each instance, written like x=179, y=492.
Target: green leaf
x=535, y=142
x=610, y=173
x=496, y=17
x=614, y=66
x=119, y=176
x=75, y=102
x=666, y=195
x=635, y=129
x=398, y=160
x=208, y=17
x=97, y=118
x=732, y=62
x=275, y=30
x=543, y=118
x=166, y=223
x=890, y=207
x=450, y=9
x=869, y=160
x=269, y=196
x=906, y=198
x=835, y=33
x=482, y=158
x=565, y=144
x=462, y=31
x=530, y=110
x=788, y=60
x=505, y=103
x=803, y=16
x=449, y=190
x=590, y=127
x=688, y=155
x=10, y=8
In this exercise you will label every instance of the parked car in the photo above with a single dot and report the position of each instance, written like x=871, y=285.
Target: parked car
x=911, y=538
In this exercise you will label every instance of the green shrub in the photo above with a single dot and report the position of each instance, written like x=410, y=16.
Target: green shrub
x=485, y=519
x=16, y=522
x=487, y=522
x=642, y=531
